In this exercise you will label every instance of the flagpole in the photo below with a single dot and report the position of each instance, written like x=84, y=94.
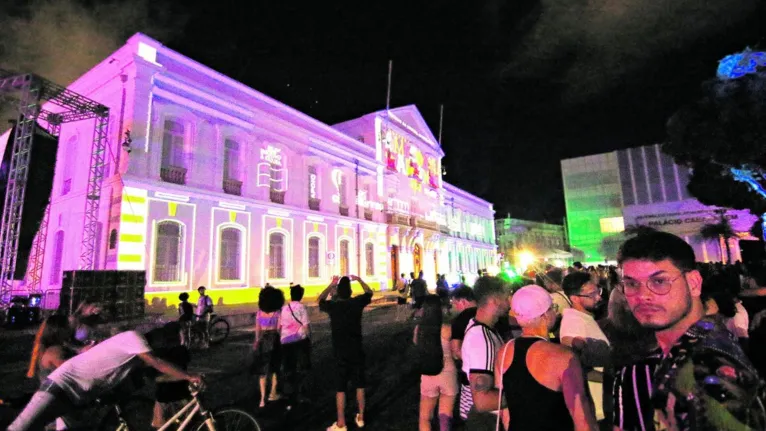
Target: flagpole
x=441, y=122
x=388, y=90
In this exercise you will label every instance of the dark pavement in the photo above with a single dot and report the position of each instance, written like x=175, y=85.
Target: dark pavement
x=392, y=390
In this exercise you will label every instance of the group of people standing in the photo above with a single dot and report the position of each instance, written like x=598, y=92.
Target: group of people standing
x=531, y=356
x=283, y=344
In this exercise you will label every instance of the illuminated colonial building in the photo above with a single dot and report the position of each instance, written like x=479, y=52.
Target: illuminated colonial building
x=222, y=186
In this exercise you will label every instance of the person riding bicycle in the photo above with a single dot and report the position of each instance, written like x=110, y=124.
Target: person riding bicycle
x=204, y=314
x=83, y=379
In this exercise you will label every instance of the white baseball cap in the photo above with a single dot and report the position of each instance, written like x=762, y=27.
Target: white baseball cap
x=530, y=302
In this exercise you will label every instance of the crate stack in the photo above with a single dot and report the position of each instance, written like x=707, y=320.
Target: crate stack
x=120, y=294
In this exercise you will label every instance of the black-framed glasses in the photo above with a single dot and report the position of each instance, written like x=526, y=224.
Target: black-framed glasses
x=598, y=292
x=659, y=285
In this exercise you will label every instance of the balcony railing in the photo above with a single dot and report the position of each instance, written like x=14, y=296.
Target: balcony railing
x=314, y=204
x=277, y=197
x=396, y=218
x=232, y=187
x=173, y=174
x=432, y=225
x=343, y=210
x=368, y=214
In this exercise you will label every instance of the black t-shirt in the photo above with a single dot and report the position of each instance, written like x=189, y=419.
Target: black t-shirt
x=346, y=322
x=166, y=392
x=418, y=288
x=460, y=323
x=187, y=312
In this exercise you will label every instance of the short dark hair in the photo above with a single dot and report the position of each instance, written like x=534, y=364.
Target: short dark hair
x=184, y=296
x=344, y=288
x=487, y=287
x=296, y=292
x=657, y=246
x=463, y=292
x=577, y=265
x=201, y=287
x=574, y=282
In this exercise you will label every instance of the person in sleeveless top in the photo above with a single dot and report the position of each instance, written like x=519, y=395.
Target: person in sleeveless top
x=432, y=343
x=542, y=382
x=267, y=346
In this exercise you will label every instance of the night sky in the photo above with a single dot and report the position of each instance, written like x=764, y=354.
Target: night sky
x=524, y=83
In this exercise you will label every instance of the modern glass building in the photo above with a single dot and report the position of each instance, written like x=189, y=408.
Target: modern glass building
x=642, y=186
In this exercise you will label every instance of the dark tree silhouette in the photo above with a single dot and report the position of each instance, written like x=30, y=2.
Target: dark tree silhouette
x=722, y=137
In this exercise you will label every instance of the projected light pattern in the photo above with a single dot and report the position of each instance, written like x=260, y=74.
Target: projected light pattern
x=740, y=64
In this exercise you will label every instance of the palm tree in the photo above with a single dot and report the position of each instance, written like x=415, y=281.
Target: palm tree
x=721, y=230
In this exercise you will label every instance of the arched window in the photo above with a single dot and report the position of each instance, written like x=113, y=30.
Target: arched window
x=369, y=259
x=231, y=160
x=58, y=254
x=344, y=267
x=277, y=255
x=230, y=254
x=168, y=252
x=314, y=257
x=113, y=239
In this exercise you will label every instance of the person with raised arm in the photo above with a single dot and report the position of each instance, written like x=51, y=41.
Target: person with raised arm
x=345, y=314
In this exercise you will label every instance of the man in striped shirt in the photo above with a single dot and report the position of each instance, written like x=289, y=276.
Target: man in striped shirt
x=700, y=378
x=480, y=346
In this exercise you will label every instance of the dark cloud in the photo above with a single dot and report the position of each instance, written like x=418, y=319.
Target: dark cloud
x=62, y=39
x=587, y=47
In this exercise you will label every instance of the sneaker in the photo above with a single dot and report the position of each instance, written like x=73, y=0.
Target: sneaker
x=359, y=421
x=335, y=427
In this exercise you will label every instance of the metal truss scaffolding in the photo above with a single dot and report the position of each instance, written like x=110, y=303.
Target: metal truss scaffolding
x=31, y=92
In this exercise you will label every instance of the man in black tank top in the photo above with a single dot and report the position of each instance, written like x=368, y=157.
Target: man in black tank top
x=543, y=385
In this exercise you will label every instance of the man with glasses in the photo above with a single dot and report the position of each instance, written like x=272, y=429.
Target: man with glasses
x=702, y=379
x=580, y=331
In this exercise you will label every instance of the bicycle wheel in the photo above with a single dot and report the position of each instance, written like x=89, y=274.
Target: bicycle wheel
x=232, y=420
x=219, y=330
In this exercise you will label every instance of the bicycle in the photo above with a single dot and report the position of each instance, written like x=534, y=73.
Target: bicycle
x=218, y=330
x=224, y=419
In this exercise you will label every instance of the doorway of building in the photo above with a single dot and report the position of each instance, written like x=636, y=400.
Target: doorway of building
x=394, y=265
x=417, y=259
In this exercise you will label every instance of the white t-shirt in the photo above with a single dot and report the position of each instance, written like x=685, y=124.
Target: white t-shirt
x=294, y=319
x=90, y=374
x=740, y=323
x=480, y=346
x=575, y=323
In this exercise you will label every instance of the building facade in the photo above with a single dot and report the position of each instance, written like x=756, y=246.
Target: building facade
x=222, y=186
x=519, y=240
x=642, y=186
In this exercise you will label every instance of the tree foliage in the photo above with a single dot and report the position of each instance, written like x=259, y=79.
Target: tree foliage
x=723, y=129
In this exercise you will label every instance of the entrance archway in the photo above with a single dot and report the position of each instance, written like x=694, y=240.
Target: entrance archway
x=417, y=259
x=394, y=264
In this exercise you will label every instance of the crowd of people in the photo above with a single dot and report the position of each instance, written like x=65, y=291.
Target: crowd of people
x=658, y=342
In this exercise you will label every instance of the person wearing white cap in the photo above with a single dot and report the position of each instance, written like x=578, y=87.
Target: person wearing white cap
x=542, y=383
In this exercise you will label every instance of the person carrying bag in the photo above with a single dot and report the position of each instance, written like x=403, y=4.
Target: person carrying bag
x=295, y=335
